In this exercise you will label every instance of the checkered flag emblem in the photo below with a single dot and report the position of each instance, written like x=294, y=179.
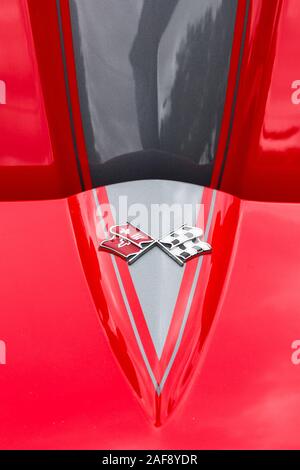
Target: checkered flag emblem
x=185, y=243
x=131, y=243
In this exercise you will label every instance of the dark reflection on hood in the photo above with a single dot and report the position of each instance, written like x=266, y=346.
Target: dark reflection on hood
x=143, y=57
x=194, y=106
x=152, y=74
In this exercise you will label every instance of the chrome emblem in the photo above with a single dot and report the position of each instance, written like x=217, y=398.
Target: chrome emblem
x=131, y=243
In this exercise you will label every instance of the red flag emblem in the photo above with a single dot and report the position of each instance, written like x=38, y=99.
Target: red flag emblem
x=127, y=241
x=132, y=234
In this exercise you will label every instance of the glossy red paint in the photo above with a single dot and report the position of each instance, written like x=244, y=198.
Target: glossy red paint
x=63, y=387
x=37, y=159
x=263, y=157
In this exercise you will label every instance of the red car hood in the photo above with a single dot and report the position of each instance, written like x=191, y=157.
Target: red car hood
x=88, y=367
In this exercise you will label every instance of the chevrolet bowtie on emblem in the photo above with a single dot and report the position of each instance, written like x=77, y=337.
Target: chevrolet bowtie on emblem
x=131, y=243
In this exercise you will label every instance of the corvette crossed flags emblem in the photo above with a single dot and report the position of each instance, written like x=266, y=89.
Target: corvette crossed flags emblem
x=131, y=243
